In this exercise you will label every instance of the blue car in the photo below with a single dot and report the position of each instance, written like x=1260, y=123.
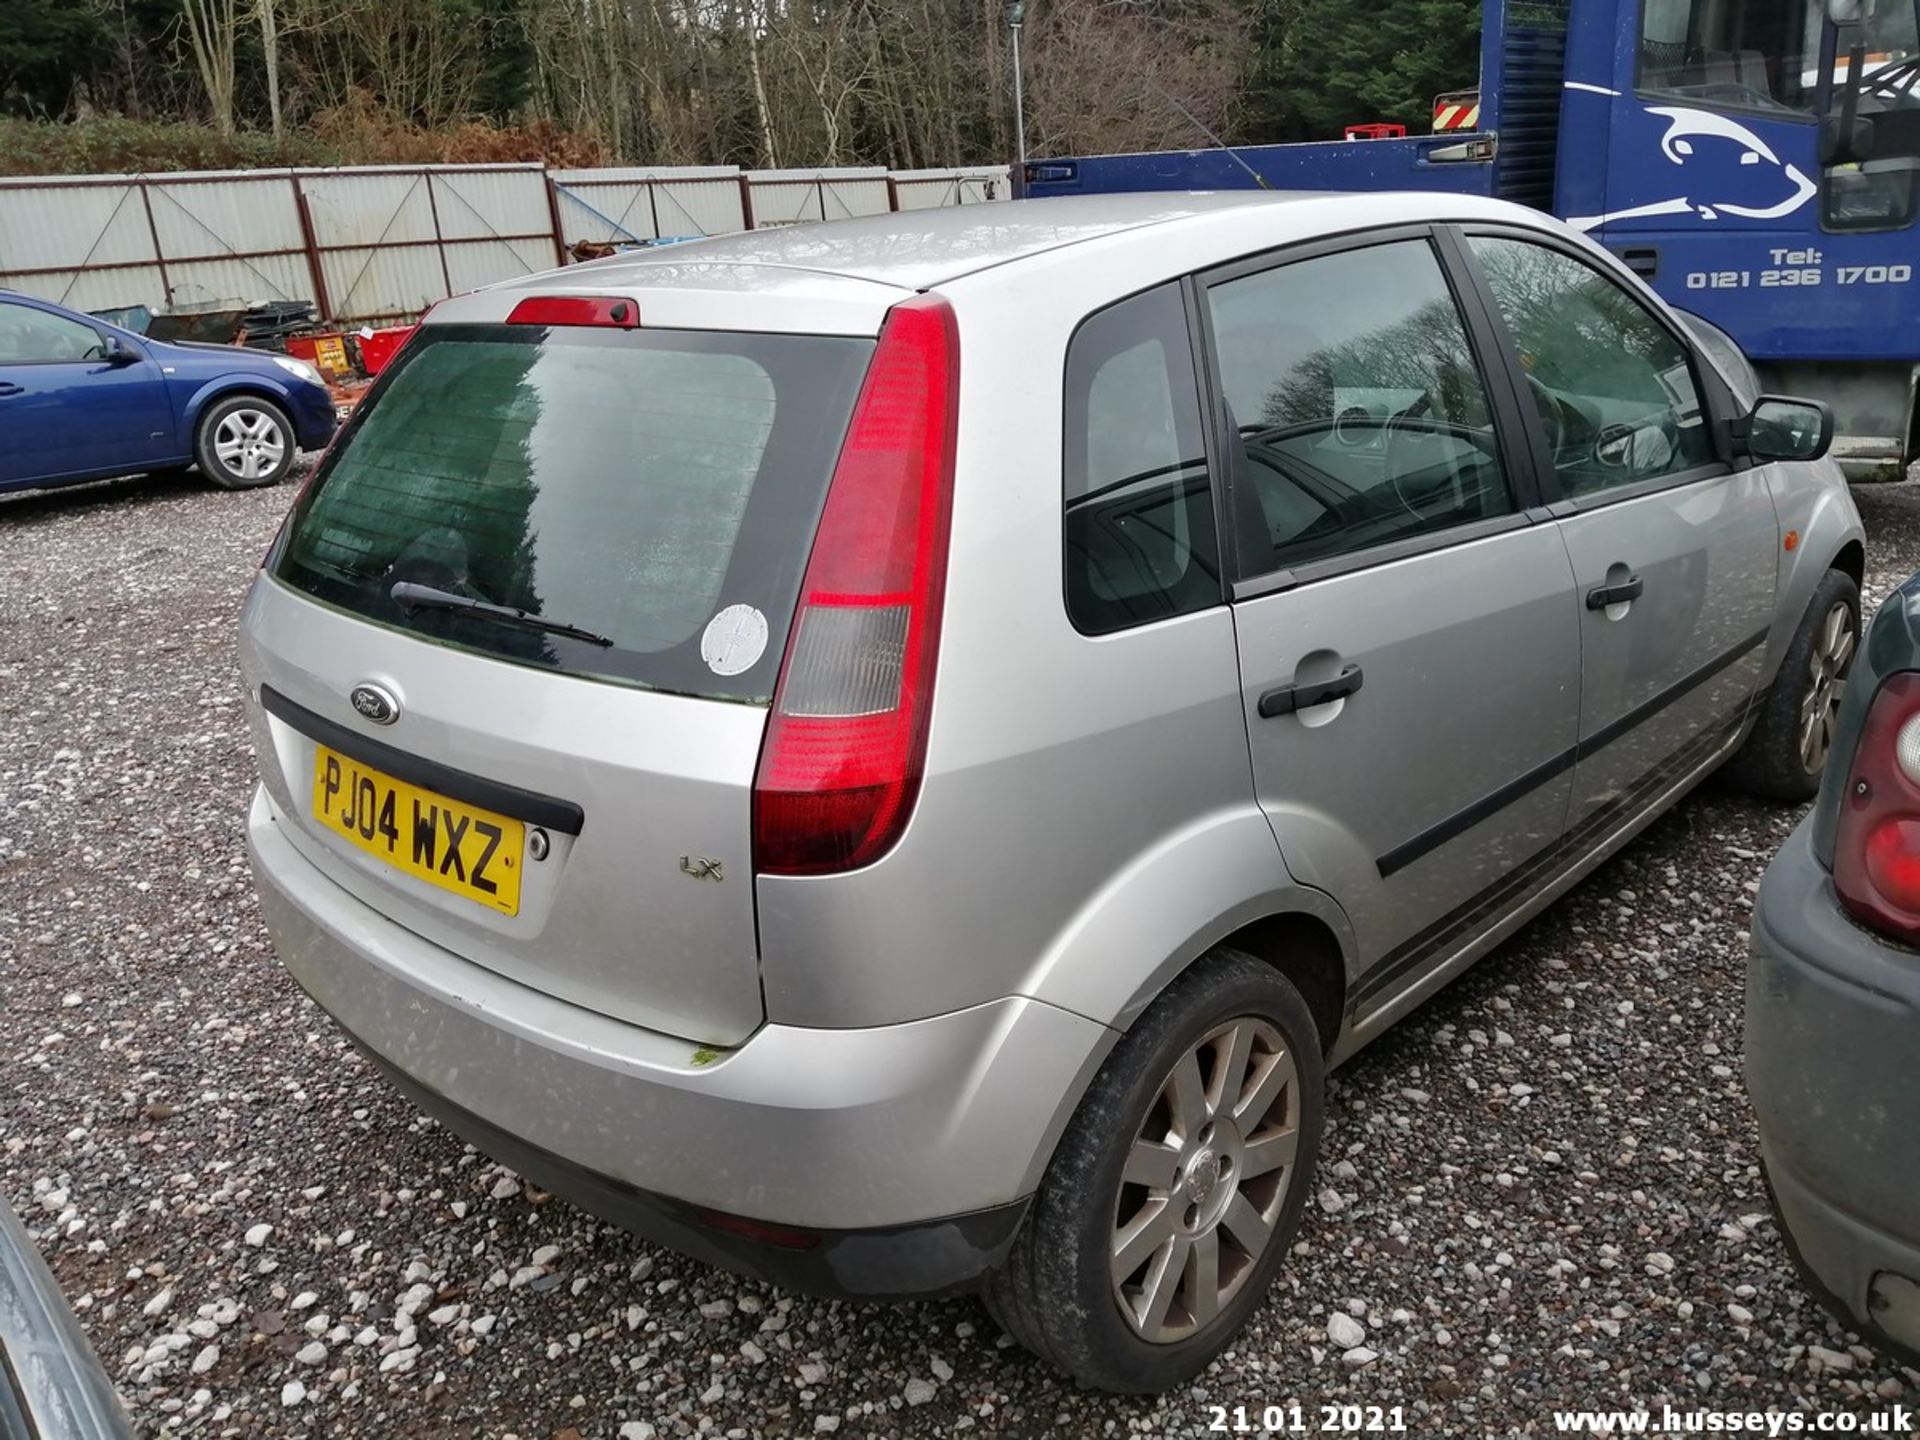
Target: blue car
x=82, y=400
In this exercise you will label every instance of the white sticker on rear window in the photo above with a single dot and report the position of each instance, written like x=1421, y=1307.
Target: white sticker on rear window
x=734, y=640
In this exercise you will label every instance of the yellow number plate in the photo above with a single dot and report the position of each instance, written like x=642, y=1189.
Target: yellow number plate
x=472, y=852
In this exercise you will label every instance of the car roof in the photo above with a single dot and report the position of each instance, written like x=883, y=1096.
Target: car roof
x=840, y=276
x=919, y=249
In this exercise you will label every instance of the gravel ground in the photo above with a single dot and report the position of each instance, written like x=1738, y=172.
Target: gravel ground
x=1541, y=1190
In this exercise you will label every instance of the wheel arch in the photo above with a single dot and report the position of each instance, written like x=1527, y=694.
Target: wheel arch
x=1218, y=882
x=1302, y=934
x=1852, y=560
x=229, y=387
x=1818, y=507
x=1304, y=948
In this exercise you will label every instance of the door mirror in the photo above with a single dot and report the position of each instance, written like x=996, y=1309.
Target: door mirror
x=117, y=351
x=1783, y=428
x=1847, y=12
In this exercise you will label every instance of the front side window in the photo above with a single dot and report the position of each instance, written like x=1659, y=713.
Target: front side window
x=35, y=337
x=1361, y=415
x=1881, y=198
x=1736, y=54
x=1141, y=543
x=1613, y=386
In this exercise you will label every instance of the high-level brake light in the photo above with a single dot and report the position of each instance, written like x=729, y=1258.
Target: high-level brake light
x=609, y=310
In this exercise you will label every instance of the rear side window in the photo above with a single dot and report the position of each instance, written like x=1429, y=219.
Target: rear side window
x=650, y=495
x=1361, y=415
x=1141, y=544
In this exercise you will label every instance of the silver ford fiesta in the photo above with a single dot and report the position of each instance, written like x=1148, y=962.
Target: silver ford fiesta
x=893, y=756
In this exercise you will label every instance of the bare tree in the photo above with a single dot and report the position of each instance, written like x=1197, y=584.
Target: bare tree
x=212, y=28
x=1106, y=76
x=909, y=83
x=752, y=25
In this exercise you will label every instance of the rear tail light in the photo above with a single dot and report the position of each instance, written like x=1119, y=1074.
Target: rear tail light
x=847, y=738
x=1876, y=848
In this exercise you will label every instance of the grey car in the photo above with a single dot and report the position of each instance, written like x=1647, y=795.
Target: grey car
x=51, y=1383
x=1833, y=1003
x=893, y=756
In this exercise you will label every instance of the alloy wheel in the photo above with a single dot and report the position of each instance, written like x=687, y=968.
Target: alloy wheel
x=1205, y=1180
x=1832, y=657
x=249, y=443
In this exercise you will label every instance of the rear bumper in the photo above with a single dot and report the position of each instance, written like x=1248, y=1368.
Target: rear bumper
x=1833, y=1066
x=932, y=1257
x=910, y=1149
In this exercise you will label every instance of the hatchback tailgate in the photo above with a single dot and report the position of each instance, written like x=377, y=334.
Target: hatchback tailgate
x=511, y=660
x=646, y=914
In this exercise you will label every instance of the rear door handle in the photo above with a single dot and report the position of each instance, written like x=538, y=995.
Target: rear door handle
x=1276, y=703
x=10, y=389
x=1630, y=589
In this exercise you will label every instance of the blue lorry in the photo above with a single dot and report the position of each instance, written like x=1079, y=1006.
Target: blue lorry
x=1757, y=161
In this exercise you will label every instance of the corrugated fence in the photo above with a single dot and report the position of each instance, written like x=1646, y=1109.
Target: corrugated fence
x=385, y=242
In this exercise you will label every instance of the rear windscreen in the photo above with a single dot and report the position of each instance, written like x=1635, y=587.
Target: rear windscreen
x=650, y=496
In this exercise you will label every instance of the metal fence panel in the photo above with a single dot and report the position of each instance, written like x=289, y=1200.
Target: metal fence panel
x=242, y=214
x=473, y=263
x=623, y=204
x=378, y=241
x=368, y=207
x=610, y=173
x=700, y=207
x=51, y=223
x=605, y=212
x=90, y=289
x=932, y=189
x=204, y=283
x=370, y=284
x=492, y=203
x=792, y=197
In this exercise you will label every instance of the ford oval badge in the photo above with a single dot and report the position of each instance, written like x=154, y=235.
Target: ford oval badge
x=374, y=702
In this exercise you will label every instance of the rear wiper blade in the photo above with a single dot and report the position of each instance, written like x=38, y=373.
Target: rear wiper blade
x=409, y=596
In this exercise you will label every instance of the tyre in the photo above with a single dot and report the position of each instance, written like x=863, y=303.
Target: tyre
x=243, y=442
x=1786, y=754
x=1175, y=1191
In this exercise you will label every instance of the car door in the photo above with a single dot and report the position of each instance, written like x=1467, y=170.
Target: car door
x=1408, y=652
x=1674, y=551
x=68, y=407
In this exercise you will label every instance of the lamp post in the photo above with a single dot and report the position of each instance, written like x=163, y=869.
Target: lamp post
x=1016, y=17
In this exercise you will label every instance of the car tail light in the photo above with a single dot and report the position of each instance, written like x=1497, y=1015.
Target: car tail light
x=576, y=310
x=840, y=768
x=1876, y=848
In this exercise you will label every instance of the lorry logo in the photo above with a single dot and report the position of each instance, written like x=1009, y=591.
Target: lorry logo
x=1681, y=145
